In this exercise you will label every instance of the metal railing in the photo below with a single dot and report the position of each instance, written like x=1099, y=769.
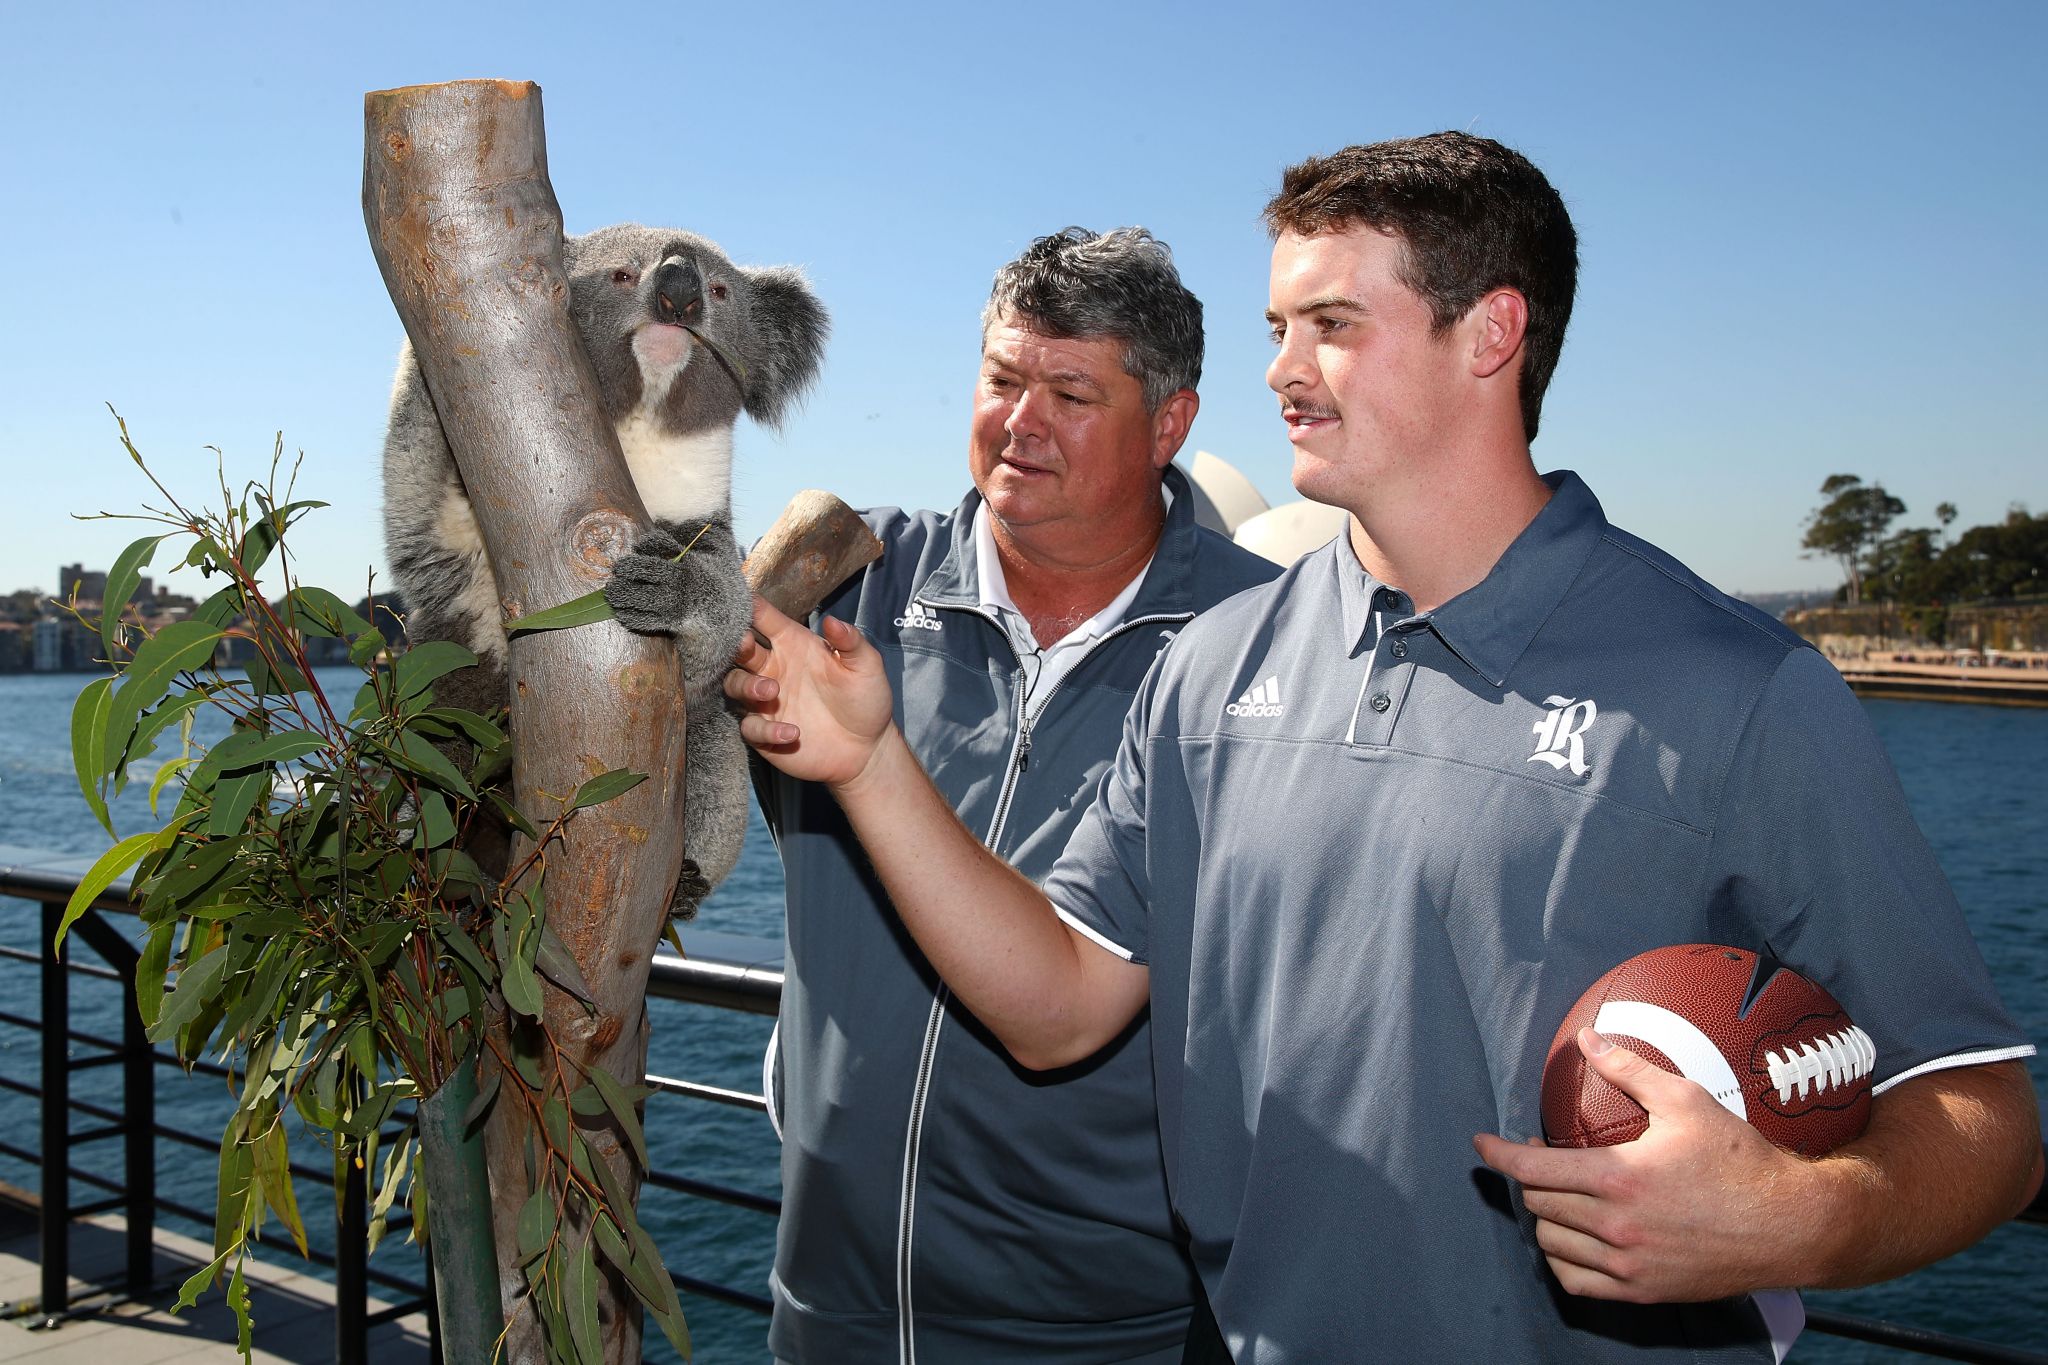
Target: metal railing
x=724, y=971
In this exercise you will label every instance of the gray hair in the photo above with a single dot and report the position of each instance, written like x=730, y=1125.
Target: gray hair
x=1081, y=285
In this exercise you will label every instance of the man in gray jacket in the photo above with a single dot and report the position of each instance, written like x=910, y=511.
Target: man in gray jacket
x=939, y=1201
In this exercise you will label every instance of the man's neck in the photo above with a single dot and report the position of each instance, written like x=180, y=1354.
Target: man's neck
x=1435, y=542
x=1056, y=586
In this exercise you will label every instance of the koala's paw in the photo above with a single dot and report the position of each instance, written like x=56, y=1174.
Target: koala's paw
x=646, y=591
x=691, y=889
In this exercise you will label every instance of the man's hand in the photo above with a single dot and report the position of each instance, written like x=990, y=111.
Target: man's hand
x=1701, y=1206
x=818, y=709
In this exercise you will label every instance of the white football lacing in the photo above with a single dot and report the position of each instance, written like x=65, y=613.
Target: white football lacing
x=1823, y=1064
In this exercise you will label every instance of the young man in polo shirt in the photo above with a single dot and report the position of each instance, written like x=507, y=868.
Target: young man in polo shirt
x=1373, y=827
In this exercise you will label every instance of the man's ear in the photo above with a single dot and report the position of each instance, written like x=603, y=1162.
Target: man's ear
x=1502, y=319
x=1171, y=424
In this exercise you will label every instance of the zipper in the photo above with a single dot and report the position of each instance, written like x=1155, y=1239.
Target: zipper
x=1020, y=760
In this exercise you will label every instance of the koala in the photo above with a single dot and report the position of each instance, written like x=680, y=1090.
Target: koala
x=633, y=293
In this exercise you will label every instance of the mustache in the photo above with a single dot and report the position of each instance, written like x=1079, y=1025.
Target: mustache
x=1300, y=409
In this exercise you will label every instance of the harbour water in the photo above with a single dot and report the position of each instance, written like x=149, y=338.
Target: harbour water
x=1973, y=774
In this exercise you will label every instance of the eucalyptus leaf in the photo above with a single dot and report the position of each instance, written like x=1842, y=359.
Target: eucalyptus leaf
x=486, y=1096
x=89, y=744
x=577, y=611
x=122, y=581
x=105, y=871
x=199, y=1282
x=615, y=1099
x=417, y=755
x=536, y=1226
x=164, y=774
x=179, y=646
x=316, y=611
x=151, y=968
x=419, y=666
x=234, y=798
x=194, y=989
x=579, y=1295
x=604, y=787
x=557, y=964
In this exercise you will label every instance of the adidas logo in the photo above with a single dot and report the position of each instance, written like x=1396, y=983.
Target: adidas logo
x=917, y=616
x=1263, y=700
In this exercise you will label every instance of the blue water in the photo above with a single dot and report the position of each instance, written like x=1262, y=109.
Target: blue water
x=1974, y=776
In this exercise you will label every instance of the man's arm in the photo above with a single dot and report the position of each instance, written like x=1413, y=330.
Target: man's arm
x=819, y=709
x=1702, y=1206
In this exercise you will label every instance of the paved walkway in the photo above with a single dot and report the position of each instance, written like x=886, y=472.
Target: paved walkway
x=293, y=1313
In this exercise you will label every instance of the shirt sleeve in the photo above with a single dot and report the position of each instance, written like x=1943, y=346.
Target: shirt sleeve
x=1102, y=884
x=1816, y=849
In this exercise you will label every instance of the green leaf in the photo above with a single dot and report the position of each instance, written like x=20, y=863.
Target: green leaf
x=121, y=583
x=103, y=873
x=199, y=1282
x=219, y=609
x=437, y=823
x=521, y=986
x=191, y=870
x=479, y=729
x=616, y=1100
x=419, y=756
x=557, y=964
x=157, y=721
x=236, y=1185
x=486, y=1095
x=604, y=787
x=419, y=666
x=150, y=970
x=234, y=798
x=238, y=1299
x=256, y=546
x=164, y=773
x=580, y=1294
x=273, y=1170
x=316, y=611
x=536, y=1225
x=179, y=646
x=365, y=649
x=578, y=611
x=194, y=990
x=89, y=746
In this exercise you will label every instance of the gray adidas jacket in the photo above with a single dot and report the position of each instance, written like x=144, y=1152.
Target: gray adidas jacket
x=940, y=1202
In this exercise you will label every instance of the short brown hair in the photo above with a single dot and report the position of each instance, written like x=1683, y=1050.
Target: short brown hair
x=1474, y=216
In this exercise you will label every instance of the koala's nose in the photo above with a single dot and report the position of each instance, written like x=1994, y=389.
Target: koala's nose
x=678, y=292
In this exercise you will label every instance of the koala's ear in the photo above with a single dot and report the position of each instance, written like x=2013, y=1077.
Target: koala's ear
x=789, y=327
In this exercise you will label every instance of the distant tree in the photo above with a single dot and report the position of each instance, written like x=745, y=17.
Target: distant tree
x=2005, y=559
x=1850, y=525
x=1905, y=567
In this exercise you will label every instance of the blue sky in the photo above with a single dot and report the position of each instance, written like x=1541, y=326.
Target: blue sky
x=1812, y=235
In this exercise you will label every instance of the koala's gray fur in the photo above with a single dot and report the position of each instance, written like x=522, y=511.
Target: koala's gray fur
x=675, y=403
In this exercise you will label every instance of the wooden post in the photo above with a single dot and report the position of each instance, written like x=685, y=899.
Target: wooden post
x=468, y=235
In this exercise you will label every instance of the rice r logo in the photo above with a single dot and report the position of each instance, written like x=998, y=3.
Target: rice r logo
x=1558, y=741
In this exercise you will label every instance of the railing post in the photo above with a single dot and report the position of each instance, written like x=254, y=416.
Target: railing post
x=56, y=1122
x=138, y=1101
x=351, y=1271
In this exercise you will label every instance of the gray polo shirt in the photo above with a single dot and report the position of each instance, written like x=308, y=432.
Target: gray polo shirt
x=1371, y=870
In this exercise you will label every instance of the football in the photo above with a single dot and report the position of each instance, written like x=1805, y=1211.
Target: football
x=1771, y=1046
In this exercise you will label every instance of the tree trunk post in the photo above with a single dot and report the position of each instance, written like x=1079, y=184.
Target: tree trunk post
x=468, y=235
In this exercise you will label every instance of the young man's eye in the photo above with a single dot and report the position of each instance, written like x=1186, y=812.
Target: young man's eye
x=1278, y=332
